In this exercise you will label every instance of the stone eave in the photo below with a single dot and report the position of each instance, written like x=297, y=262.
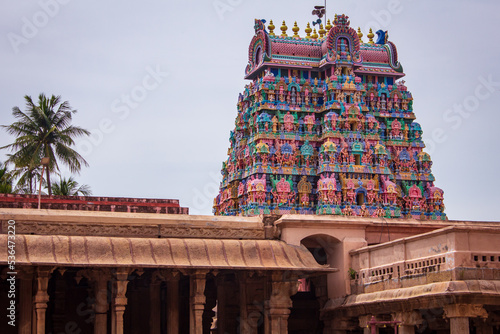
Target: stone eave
x=434, y=295
x=85, y=251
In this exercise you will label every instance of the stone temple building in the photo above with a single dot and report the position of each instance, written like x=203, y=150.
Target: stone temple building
x=327, y=221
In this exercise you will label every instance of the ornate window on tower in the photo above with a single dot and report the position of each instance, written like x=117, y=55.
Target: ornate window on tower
x=343, y=47
x=258, y=55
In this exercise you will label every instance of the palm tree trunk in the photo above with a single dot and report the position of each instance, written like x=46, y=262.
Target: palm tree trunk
x=49, y=187
x=48, y=181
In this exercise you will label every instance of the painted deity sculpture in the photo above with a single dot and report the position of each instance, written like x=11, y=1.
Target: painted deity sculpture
x=326, y=126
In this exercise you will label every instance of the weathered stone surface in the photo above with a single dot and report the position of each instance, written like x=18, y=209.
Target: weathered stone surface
x=168, y=253
x=92, y=223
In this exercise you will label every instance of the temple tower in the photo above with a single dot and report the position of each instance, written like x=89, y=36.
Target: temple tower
x=326, y=126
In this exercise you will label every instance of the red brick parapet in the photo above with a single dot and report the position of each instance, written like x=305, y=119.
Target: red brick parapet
x=92, y=203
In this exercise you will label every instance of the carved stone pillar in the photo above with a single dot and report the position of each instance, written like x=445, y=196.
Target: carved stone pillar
x=197, y=302
x=99, y=279
x=26, y=300
x=408, y=321
x=120, y=299
x=459, y=315
x=280, y=301
x=41, y=297
x=173, y=303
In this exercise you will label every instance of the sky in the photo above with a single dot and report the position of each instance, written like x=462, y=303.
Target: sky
x=157, y=82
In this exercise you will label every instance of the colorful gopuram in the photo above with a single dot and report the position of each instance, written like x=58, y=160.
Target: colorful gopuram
x=325, y=127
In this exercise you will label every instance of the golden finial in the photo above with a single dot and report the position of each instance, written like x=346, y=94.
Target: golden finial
x=284, y=29
x=360, y=35
x=295, y=30
x=321, y=31
x=370, y=37
x=328, y=25
x=315, y=34
x=335, y=20
x=308, y=30
x=271, y=28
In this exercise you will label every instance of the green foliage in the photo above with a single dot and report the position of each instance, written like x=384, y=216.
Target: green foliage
x=5, y=180
x=352, y=273
x=44, y=130
x=69, y=187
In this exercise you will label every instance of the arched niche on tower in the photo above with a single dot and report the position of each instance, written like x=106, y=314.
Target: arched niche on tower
x=259, y=50
x=342, y=36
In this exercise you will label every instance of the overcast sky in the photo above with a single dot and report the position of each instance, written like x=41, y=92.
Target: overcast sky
x=157, y=84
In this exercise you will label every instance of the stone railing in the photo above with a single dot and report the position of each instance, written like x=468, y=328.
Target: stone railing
x=452, y=253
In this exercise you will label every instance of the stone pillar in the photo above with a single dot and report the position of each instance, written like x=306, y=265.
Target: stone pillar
x=41, y=297
x=280, y=302
x=25, y=300
x=173, y=304
x=459, y=315
x=154, y=307
x=459, y=325
x=101, y=279
x=120, y=299
x=408, y=321
x=197, y=302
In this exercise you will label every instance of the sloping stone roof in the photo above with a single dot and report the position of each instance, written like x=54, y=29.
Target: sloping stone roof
x=93, y=251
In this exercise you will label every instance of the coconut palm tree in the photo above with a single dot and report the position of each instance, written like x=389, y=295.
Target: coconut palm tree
x=69, y=187
x=45, y=130
x=27, y=179
x=5, y=180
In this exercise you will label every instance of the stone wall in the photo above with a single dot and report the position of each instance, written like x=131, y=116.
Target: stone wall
x=92, y=203
x=452, y=253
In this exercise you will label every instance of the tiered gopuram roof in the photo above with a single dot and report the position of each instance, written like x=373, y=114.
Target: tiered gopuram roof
x=324, y=127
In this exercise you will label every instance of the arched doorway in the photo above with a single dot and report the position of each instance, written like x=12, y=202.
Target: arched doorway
x=312, y=294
